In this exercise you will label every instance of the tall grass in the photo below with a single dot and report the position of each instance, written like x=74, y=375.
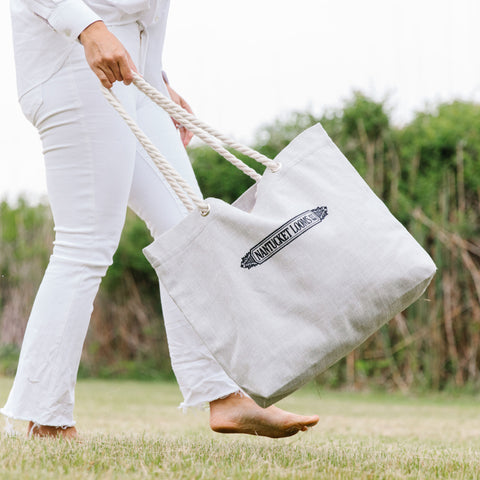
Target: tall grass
x=427, y=172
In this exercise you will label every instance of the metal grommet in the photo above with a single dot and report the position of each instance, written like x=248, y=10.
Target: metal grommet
x=205, y=212
x=277, y=168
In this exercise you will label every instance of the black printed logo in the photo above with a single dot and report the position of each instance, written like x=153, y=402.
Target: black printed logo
x=283, y=236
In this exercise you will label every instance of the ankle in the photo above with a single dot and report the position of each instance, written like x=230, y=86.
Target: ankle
x=232, y=398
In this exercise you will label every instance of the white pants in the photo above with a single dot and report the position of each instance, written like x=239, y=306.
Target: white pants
x=95, y=168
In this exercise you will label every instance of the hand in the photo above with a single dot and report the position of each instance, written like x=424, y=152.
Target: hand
x=185, y=134
x=106, y=56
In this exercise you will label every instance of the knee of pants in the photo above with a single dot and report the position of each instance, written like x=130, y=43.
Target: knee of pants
x=85, y=249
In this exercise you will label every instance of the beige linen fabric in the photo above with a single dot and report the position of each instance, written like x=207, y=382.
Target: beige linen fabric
x=294, y=275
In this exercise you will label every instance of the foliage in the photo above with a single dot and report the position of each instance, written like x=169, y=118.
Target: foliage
x=446, y=143
x=25, y=240
x=217, y=177
x=8, y=359
x=428, y=174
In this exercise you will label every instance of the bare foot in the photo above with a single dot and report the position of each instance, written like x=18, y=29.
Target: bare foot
x=240, y=414
x=68, y=433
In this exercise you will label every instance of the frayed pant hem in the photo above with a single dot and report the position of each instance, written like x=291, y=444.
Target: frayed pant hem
x=205, y=405
x=11, y=416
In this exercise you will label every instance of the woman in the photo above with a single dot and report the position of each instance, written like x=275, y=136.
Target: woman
x=95, y=169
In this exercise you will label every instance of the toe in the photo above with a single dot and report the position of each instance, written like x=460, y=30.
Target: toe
x=312, y=421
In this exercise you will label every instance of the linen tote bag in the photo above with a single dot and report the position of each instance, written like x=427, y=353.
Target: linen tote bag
x=296, y=273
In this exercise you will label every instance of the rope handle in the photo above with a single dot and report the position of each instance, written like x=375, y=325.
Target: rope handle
x=209, y=135
x=182, y=189
x=206, y=132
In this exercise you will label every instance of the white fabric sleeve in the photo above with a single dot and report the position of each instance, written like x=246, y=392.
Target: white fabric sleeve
x=67, y=17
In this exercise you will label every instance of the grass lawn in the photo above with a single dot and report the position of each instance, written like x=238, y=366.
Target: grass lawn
x=134, y=430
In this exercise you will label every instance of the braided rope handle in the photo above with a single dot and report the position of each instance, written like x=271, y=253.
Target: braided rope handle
x=209, y=135
x=182, y=189
x=206, y=132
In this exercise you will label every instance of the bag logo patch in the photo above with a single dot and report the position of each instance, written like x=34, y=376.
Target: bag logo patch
x=283, y=236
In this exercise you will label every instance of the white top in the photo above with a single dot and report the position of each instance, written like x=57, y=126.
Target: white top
x=45, y=31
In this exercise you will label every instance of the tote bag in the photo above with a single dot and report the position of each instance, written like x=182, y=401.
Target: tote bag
x=296, y=273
